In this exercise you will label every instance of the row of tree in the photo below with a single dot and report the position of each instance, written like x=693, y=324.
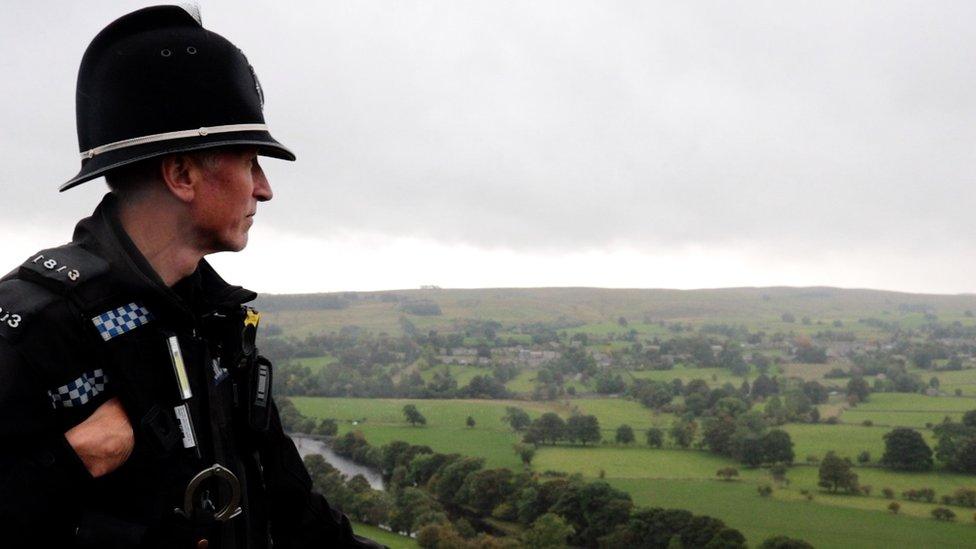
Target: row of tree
x=444, y=498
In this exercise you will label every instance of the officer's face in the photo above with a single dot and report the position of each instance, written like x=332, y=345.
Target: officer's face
x=227, y=199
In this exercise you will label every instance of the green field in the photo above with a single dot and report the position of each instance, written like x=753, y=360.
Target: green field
x=714, y=376
x=820, y=522
x=908, y=410
x=524, y=383
x=391, y=540
x=686, y=478
x=381, y=420
x=845, y=440
x=461, y=373
x=636, y=462
x=965, y=380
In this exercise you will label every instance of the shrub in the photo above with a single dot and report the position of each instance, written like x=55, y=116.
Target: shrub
x=926, y=494
x=765, y=490
x=965, y=497
x=888, y=493
x=726, y=473
x=894, y=507
x=867, y=423
x=864, y=457
x=941, y=513
x=866, y=489
x=832, y=420
x=783, y=542
x=429, y=535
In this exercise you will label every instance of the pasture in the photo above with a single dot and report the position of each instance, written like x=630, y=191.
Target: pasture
x=821, y=522
x=391, y=540
x=907, y=410
x=686, y=479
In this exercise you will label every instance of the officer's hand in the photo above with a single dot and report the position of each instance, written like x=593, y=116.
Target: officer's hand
x=103, y=441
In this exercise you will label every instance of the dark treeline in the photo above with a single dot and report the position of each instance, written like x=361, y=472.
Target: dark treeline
x=449, y=499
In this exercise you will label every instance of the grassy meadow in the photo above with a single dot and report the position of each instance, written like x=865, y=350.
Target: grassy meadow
x=391, y=540
x=686, y=479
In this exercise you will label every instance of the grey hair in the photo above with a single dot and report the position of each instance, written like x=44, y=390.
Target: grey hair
x=130, y=181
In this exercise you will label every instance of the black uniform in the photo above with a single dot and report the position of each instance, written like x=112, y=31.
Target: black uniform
x=90, y=320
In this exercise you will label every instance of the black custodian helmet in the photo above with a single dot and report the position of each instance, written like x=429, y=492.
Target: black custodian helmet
x=156, y=82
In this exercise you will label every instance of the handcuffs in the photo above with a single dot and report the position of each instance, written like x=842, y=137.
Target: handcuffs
x=230, y=510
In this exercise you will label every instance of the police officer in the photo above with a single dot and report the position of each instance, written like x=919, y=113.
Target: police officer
x=135, y=410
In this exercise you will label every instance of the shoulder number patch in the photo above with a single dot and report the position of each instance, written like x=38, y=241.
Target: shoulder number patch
x=10, y=319
x=67, y=266
x=52, y=264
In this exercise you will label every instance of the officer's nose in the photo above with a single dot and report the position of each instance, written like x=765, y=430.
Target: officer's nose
x=262, y=189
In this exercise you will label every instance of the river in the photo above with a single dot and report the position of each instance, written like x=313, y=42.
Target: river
x=345, y=466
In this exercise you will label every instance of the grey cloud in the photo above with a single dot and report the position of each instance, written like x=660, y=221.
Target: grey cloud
x=566, y=125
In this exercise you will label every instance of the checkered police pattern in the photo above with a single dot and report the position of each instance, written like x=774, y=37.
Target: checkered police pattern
x=119, y=321
x=79, y=391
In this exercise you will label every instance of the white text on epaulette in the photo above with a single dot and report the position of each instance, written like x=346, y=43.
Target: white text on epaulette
x=53, y=265
x=11, y=319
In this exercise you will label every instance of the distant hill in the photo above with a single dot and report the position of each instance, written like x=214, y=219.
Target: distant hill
x=756, y=307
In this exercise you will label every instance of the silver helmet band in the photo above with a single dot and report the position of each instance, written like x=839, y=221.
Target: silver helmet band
x=166, y=136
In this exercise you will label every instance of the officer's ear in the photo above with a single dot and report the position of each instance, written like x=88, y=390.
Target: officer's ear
x=182, y=175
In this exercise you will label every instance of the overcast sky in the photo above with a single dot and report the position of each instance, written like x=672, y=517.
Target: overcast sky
x=616, y=144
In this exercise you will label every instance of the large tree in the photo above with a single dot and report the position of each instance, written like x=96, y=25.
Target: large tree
x=549, y=427
x=956, y=446
x=517, y=418
x=485, y=489
x=413, y=416
x=777, y=447
x=858, y=388
x=836, y=474
x=625, y=434
x=683, y=432
x=594, y=509
x=763, y=386
x=655, y=437
x=717, y=434
x=906, y=450
x=583, y=429
x=547, y=532
x=446, y=483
